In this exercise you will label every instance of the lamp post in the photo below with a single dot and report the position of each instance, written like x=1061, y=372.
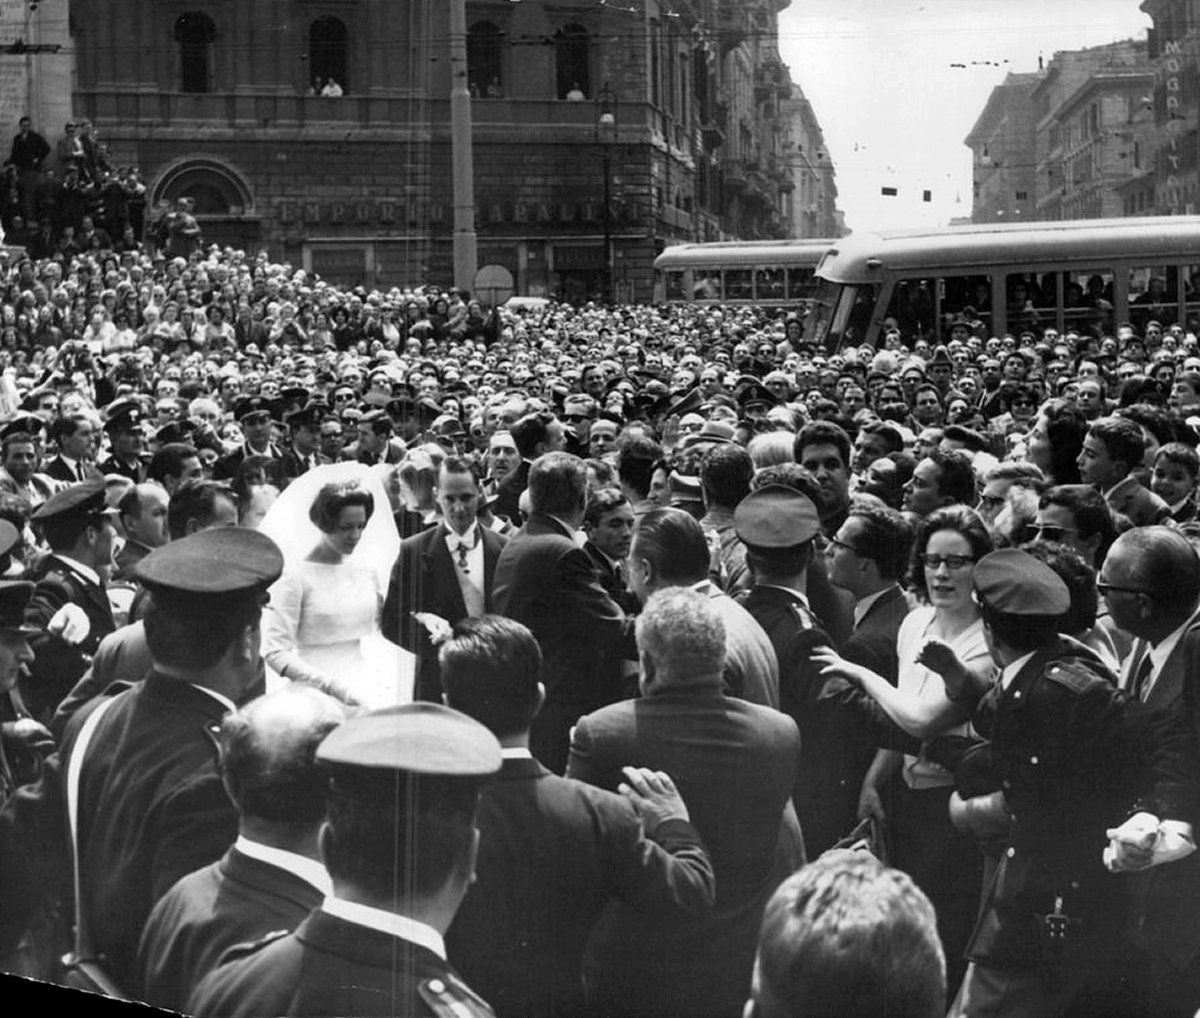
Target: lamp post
x=462, y=155
x=606, y=136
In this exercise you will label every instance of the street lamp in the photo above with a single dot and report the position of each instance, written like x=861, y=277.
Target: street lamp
x=606, y=137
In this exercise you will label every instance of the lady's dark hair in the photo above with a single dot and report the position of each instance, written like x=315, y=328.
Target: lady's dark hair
x=961, y=520
x=333, y=498
x=1066, y=428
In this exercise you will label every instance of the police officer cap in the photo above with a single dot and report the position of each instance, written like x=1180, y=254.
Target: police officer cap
x=312, y=413
x=776, y=516
x=755, y=395
x=212, y=567
x=418, y=738
x=1015, y=583
x=26, y=424
x=14, y=596
x=253, y=406
x=82, y=500
x=122, y=415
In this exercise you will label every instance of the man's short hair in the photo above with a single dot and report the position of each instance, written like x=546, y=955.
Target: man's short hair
x=970, y=438
x=531, y=431
x=1181, y=455
x=168, y=461
x=195, y=500
x=268, y=754
x=886, y=432
x=681, y=631
x=601, y=501
x=725, y=473
x=16, y=438
x=1088, y=509
x=490, y=669
x=1166, y=567
x=847, y=935
x=884, y=536
x=956, y=478
x=1122, y=438
x=1019, y=472
x=675, y=545
x=557, y=484
x=823, y=433
x=637, y=458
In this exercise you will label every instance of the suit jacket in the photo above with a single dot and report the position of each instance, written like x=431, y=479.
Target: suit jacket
x=292, y=465
x=1141, y=505
x=1166, y=899
x=227, y=466
x=57, y=665
x=612, y=583
x=873, y=642
x=58, y=469
x=329, y=966
x=737, y=766
x=152, y=807
x=546, y=582
x=123, y=656
x=132, y=552
x=553, y=852
x=751, y=668
x=425, y=579
x=135, y=471
x=233, y=901
x=508, y=494
x=838, y=745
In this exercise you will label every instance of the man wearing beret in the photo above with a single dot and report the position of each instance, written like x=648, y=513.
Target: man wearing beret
x=69, y=604
x=1068, y=758
x=405, y=776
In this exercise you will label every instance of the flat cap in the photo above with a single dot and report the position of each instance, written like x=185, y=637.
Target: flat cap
x=418, y=738
x=776, y=516
x=83, y=500
x=217, y=565
x=1015, y=583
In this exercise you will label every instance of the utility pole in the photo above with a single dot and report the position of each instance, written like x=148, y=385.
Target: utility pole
x=461, y=152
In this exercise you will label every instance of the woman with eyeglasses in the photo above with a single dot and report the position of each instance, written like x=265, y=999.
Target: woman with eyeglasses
x=945, y=863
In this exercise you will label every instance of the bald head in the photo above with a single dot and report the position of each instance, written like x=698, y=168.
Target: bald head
x=143, y=511
x=268, y=754
x=1153, y=575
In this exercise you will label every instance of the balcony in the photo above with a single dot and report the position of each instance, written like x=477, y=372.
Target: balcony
x=713, y=135
x=736, y=175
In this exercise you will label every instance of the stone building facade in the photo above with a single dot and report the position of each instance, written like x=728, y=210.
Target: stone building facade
x=1002, y=145
x=1171, y=184
x=220, y=100
x=812, y=204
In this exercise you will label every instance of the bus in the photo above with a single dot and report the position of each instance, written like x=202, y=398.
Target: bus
x=1089, y=276
x=760, y=272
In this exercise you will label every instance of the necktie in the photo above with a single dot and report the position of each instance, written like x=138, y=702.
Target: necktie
x=1138, y=688
x=79, y=471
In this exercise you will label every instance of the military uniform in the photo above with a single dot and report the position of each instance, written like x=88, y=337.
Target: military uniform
x=1068, y=752
x=351, y=958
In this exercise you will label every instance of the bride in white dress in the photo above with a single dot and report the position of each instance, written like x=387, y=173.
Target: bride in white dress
x=322, y=623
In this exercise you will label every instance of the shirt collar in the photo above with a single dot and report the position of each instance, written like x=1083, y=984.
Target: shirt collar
x=308, y=870
x=412, y=930
x=87, y=572
x=865, y=604
x=1010, y=670
x=467, y=540
x=516, y=753
x=803, y=597
x=1162, y=650
x=221, y=698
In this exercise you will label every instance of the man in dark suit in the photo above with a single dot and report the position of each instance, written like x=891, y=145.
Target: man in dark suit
x=778, y=526
x=545, y=581
x=736, y=764
x=553, y=852
x=69, y=603
x=143, y=514
x=1112, y=450
x=608, y=523
x=76, y=438
x=256, y=416
x=272, y=877
x=446, y=571
x=123, y=422
x=534, y=435
x=1161, y=671
x=867, y=557
x=406, y=776
x=304, y=452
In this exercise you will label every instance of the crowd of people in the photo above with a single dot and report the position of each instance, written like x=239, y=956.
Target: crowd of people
x=646, y=632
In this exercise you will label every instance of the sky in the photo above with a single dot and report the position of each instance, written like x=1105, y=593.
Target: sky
x=881, y=78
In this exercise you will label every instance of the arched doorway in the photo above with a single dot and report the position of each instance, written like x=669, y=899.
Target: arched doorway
x=224, y=204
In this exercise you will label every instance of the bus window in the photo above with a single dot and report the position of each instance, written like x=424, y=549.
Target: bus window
x=768, y=284
x=1153, y=295
x=841, y=315
x=1191, y=291
x=1023, y=298
x=802, y=284
x=913, y=307
x=675, y=285
x=969, y=297
x=1087, y=301
x=739, y=284
x=707, y=285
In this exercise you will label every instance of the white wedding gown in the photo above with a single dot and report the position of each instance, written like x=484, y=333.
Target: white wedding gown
x=322, y=621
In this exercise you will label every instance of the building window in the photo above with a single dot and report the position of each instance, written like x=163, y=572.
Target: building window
x=195, y=32
x=571, y=61
x=485, y=78
x=328, y=41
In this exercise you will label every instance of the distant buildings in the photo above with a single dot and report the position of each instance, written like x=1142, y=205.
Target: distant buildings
x=1071, y=141
x=812, y=200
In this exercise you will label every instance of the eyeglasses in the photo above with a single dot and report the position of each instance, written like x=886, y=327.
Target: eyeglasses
x=952, y=562
x=1049, y=532
x=835, y=543
x=575, y=418
x=1104, y=589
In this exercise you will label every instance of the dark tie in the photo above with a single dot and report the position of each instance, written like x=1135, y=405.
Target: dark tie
x=1137, y=688
x=79, y=471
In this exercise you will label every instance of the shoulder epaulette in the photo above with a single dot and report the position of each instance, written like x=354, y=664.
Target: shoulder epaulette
x=251, y=947
x=448, y=998
x=1075, y=676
